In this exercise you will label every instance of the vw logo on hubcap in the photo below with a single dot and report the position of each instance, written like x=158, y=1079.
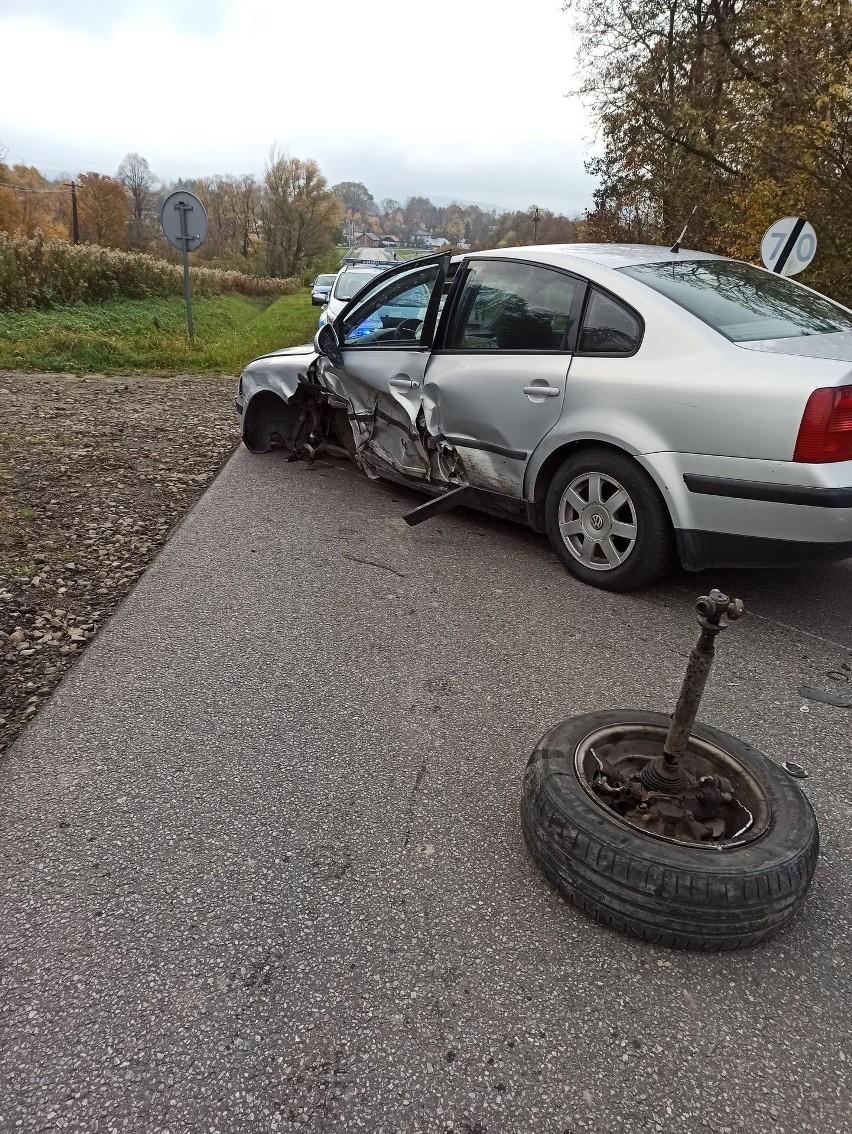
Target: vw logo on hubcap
x=596, y=521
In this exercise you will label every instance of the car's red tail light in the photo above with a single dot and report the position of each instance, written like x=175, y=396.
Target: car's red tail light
x=826, y=430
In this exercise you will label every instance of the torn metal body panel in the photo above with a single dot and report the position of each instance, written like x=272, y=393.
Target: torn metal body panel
x=523, y=406
x=324, y=409
x=393, y=429
x=278, y=372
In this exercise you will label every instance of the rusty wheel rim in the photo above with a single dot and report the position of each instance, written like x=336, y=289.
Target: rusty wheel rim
x=626, y=748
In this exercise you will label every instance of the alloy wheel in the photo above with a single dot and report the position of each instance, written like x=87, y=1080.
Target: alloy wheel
x=597, y=521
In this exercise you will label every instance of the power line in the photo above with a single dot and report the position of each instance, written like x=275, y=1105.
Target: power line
x=28, y=189
x=72, y=185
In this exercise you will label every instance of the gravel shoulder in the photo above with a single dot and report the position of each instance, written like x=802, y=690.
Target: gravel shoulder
x=94, y=473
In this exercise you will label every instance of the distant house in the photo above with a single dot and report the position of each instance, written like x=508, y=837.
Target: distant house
x=435, y=242
x=390, y=242
x=366, y=239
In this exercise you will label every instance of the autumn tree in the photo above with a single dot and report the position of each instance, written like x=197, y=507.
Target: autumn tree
x=244, y=195
x=741, y=107
x=453, y=228
x=221, y=231
x=506, y=229
x=10, y=209
x=135, y=175
x=104, y=210
x=356, y=198
x=232, y=205
x=29, y=203
x=298, y=212
x=418, y=213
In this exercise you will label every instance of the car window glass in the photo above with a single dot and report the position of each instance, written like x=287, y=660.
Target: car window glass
x=743, y=302
x=608, y=327
x=512, y=306
x=349, y=283
x=394, y=313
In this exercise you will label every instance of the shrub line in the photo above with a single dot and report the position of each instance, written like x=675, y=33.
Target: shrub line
x=35, y=273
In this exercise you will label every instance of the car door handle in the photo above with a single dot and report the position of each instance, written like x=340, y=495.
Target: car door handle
x=403, y=383
x=542, y=391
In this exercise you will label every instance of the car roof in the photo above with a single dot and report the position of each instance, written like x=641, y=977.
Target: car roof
x=604, y=255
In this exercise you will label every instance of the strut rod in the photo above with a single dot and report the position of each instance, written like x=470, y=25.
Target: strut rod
x=666, y=772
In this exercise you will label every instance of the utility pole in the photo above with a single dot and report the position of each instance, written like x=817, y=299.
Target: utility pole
x=535, y=225
x=75, y=224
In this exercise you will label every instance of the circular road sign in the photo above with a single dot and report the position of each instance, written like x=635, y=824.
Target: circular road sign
x=788, y=246
x=184, y=220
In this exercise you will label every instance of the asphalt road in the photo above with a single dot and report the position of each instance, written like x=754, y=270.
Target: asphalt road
x=261, y=859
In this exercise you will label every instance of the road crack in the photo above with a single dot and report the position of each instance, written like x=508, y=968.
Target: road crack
x=373, y=563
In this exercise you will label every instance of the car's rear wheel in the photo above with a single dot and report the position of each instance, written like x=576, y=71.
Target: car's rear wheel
x=607, y=521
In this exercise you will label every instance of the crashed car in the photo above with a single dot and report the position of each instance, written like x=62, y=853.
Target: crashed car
x=638, y=404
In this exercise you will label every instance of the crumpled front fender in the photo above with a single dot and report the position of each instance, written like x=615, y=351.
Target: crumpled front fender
x=278, y=372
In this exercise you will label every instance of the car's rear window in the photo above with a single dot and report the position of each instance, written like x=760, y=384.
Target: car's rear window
x=324, y=281
x=743, y=302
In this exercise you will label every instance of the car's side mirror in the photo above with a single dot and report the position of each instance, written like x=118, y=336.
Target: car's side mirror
x=326, y=343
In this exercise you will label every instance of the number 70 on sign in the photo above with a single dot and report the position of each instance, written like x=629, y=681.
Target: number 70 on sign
x=788, y=246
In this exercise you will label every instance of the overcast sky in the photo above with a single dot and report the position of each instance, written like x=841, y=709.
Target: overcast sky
x=448, y=98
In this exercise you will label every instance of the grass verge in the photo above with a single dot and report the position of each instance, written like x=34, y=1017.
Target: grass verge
x=126, y=336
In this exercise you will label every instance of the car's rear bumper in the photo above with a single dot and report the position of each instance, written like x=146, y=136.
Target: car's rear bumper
x=812, y=496
x=744, y=512
x=746, y=498
x=699, y=550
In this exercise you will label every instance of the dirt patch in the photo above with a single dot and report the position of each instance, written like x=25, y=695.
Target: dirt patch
x=94, y=473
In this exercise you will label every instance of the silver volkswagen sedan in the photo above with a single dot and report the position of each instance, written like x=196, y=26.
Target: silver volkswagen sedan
x=638, y=404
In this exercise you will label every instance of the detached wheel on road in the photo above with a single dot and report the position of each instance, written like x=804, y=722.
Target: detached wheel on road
x=607, y=521
x=722, y=866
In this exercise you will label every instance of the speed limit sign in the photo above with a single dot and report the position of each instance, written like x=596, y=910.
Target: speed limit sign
x=788, y=246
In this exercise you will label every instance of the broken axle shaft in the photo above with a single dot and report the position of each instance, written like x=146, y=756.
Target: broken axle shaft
x=666, y=773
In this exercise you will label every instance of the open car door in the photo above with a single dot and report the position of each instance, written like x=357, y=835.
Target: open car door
x=385, y=335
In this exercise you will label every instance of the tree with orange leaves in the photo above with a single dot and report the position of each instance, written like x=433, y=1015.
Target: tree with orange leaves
x=104, y=209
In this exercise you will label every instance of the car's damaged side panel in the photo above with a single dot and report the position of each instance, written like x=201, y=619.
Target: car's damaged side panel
x=300, y=402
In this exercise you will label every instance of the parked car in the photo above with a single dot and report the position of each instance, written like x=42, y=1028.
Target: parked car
x=347, y=283
x=635, y=403
x=321, y=288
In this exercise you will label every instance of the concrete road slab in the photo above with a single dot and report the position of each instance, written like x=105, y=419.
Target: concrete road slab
x=262, y=863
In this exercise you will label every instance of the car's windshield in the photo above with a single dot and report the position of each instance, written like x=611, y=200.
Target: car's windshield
x=350, y=282
x=741, y=301
x=324, y=281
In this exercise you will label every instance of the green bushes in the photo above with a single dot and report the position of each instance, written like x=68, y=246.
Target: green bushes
x=38, y=274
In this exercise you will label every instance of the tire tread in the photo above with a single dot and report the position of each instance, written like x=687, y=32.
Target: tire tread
x=597, y=870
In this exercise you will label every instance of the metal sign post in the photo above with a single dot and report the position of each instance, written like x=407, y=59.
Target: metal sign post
x=788, y=246
x=186, y=232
